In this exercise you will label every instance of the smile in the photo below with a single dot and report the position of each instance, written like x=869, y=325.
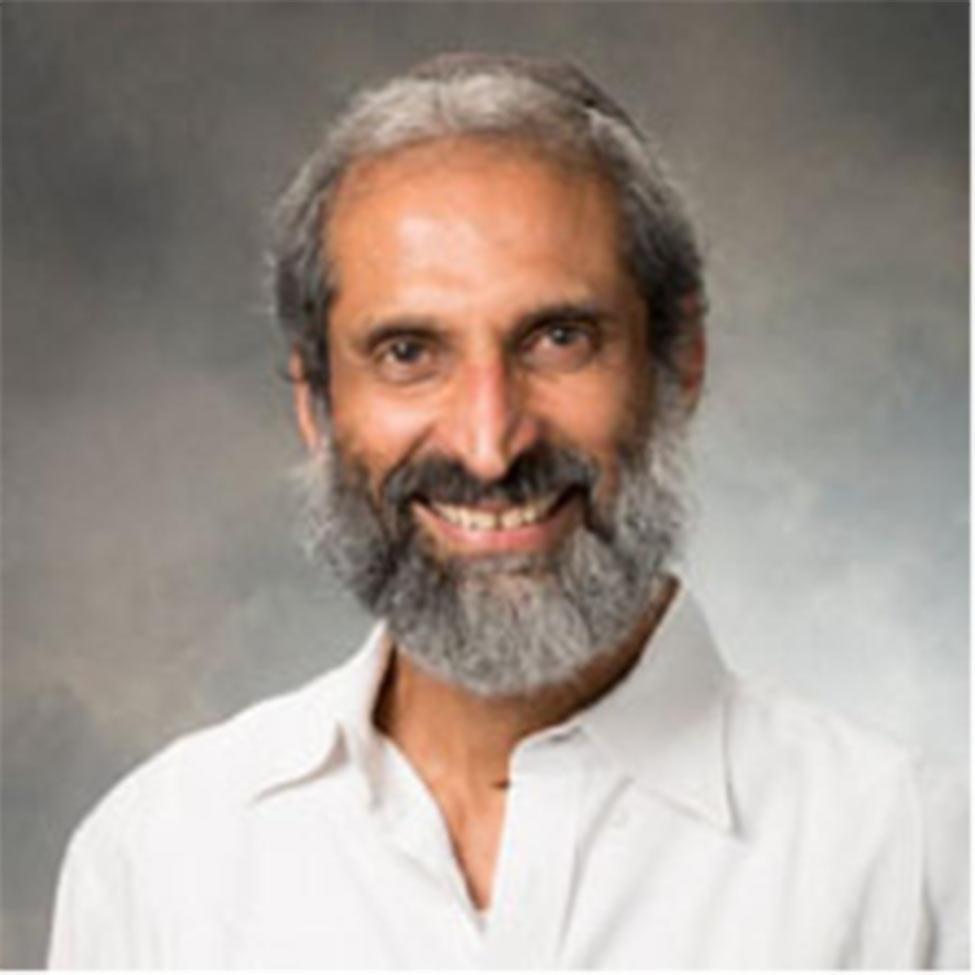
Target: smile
x=495, y=528
x=483, y=520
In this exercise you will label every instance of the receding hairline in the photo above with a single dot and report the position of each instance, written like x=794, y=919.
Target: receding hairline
x=360, y=175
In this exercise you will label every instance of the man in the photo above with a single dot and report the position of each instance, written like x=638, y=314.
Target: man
x=495, y=303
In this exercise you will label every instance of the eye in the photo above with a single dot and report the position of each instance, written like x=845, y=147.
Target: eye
x=561, y=346
x=405, y=358
x=564, y=334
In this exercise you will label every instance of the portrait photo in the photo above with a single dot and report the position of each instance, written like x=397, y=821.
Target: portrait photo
x=394, y=394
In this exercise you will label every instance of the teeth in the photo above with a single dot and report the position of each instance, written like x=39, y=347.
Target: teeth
x=474, y=519
x=514, y=518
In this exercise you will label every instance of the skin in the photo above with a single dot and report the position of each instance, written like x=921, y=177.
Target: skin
x=482, y=308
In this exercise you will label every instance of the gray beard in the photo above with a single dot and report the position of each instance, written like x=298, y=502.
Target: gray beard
x=506, y=625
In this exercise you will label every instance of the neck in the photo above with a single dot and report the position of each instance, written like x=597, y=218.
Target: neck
x=452, y=735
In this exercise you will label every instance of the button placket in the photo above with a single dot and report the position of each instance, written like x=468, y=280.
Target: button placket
x=537, y=858
x=411, y=823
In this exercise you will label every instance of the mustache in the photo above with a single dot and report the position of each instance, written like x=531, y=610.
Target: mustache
x=540, y=470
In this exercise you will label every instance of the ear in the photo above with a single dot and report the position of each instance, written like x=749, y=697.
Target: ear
x=692, y=351
x=306, y=410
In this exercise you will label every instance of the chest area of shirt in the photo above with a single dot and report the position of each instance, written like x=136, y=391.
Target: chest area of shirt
x=588, y=872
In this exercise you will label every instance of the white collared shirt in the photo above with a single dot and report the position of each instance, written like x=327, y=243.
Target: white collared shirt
x=686, y=820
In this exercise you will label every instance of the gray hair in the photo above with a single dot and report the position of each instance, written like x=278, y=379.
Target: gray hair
x=548, y=104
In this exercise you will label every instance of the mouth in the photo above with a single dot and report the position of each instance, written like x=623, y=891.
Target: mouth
x=500, y=527
x=486, y=519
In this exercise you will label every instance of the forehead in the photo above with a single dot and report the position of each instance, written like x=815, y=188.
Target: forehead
x=483, y=218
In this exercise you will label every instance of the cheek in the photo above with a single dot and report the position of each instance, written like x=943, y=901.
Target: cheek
x=379, y=431
x=600, y=415
x=598, y=418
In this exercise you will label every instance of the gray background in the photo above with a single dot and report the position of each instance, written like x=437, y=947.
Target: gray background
x=150, y=581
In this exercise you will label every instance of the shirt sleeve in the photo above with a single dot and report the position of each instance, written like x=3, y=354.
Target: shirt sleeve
x=90, y=913
x=944, y=807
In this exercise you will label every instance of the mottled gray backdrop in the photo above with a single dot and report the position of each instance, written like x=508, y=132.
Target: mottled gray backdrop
x=150, y=582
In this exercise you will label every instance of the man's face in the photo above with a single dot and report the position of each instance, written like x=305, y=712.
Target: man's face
x=492, y=404
x=482, y=310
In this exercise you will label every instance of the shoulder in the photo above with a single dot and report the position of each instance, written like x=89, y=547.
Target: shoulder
x=780, y=740
x=205, y=777
x=859, y=801
x=158, y=852
x=773, y=725
x=162, y=849
x=860, y=785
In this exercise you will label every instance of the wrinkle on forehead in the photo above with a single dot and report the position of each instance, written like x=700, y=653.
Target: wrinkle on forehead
x=493, y=200
x=475, y=166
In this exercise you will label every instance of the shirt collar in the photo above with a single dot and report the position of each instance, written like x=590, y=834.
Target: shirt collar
x=326, y=720
x=663, y=725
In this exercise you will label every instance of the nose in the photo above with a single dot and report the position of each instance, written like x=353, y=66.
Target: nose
x=488, y=423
